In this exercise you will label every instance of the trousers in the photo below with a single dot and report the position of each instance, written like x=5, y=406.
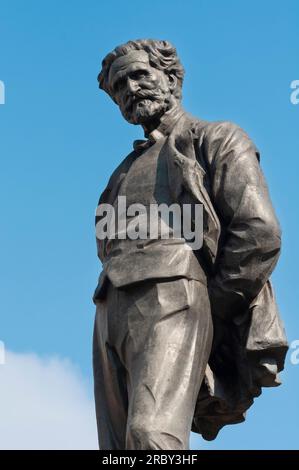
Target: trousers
x=151, y=345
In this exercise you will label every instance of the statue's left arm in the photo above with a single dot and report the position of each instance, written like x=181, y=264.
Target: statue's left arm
x=251, y=235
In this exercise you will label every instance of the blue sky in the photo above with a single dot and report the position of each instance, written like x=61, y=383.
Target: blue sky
x=61, y=138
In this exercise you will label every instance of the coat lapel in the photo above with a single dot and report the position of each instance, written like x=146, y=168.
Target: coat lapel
x=186, y=176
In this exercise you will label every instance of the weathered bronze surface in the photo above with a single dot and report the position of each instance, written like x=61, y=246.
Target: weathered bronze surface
x=183, y=338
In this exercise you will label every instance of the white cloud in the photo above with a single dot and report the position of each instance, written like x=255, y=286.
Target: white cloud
x=44, y=404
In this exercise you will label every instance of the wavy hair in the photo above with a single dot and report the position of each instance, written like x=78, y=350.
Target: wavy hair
x=162, y=56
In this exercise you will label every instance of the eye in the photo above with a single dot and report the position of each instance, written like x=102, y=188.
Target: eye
x=138, y=74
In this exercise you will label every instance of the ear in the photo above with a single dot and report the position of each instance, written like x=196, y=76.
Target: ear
x=172, y=82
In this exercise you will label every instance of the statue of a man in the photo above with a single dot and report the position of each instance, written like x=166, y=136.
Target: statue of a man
x=184, y=338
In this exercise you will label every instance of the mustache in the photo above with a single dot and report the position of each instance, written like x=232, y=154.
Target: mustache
x=142, y=94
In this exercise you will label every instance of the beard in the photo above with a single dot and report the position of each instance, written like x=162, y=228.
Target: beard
x=146, y=106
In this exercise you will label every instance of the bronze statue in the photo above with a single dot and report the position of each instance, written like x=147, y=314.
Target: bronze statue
x=184, y=338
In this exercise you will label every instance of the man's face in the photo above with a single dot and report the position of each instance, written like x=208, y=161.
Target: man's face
x=141, y=91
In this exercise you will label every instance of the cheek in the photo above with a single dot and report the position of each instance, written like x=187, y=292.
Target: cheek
x=153, y=81
x=161, y=83
x=148, y=84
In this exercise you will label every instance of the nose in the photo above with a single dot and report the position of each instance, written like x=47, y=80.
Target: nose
x=132, y=85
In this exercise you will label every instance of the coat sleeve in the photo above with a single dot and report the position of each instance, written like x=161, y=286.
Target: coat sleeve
x=250, y=232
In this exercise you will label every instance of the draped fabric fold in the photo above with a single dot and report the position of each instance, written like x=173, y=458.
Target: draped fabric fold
x=250, y=345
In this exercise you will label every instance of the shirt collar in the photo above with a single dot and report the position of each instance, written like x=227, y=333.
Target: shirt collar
x=167, y=123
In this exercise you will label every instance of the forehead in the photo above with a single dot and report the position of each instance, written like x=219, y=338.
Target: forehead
x=129, y=61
